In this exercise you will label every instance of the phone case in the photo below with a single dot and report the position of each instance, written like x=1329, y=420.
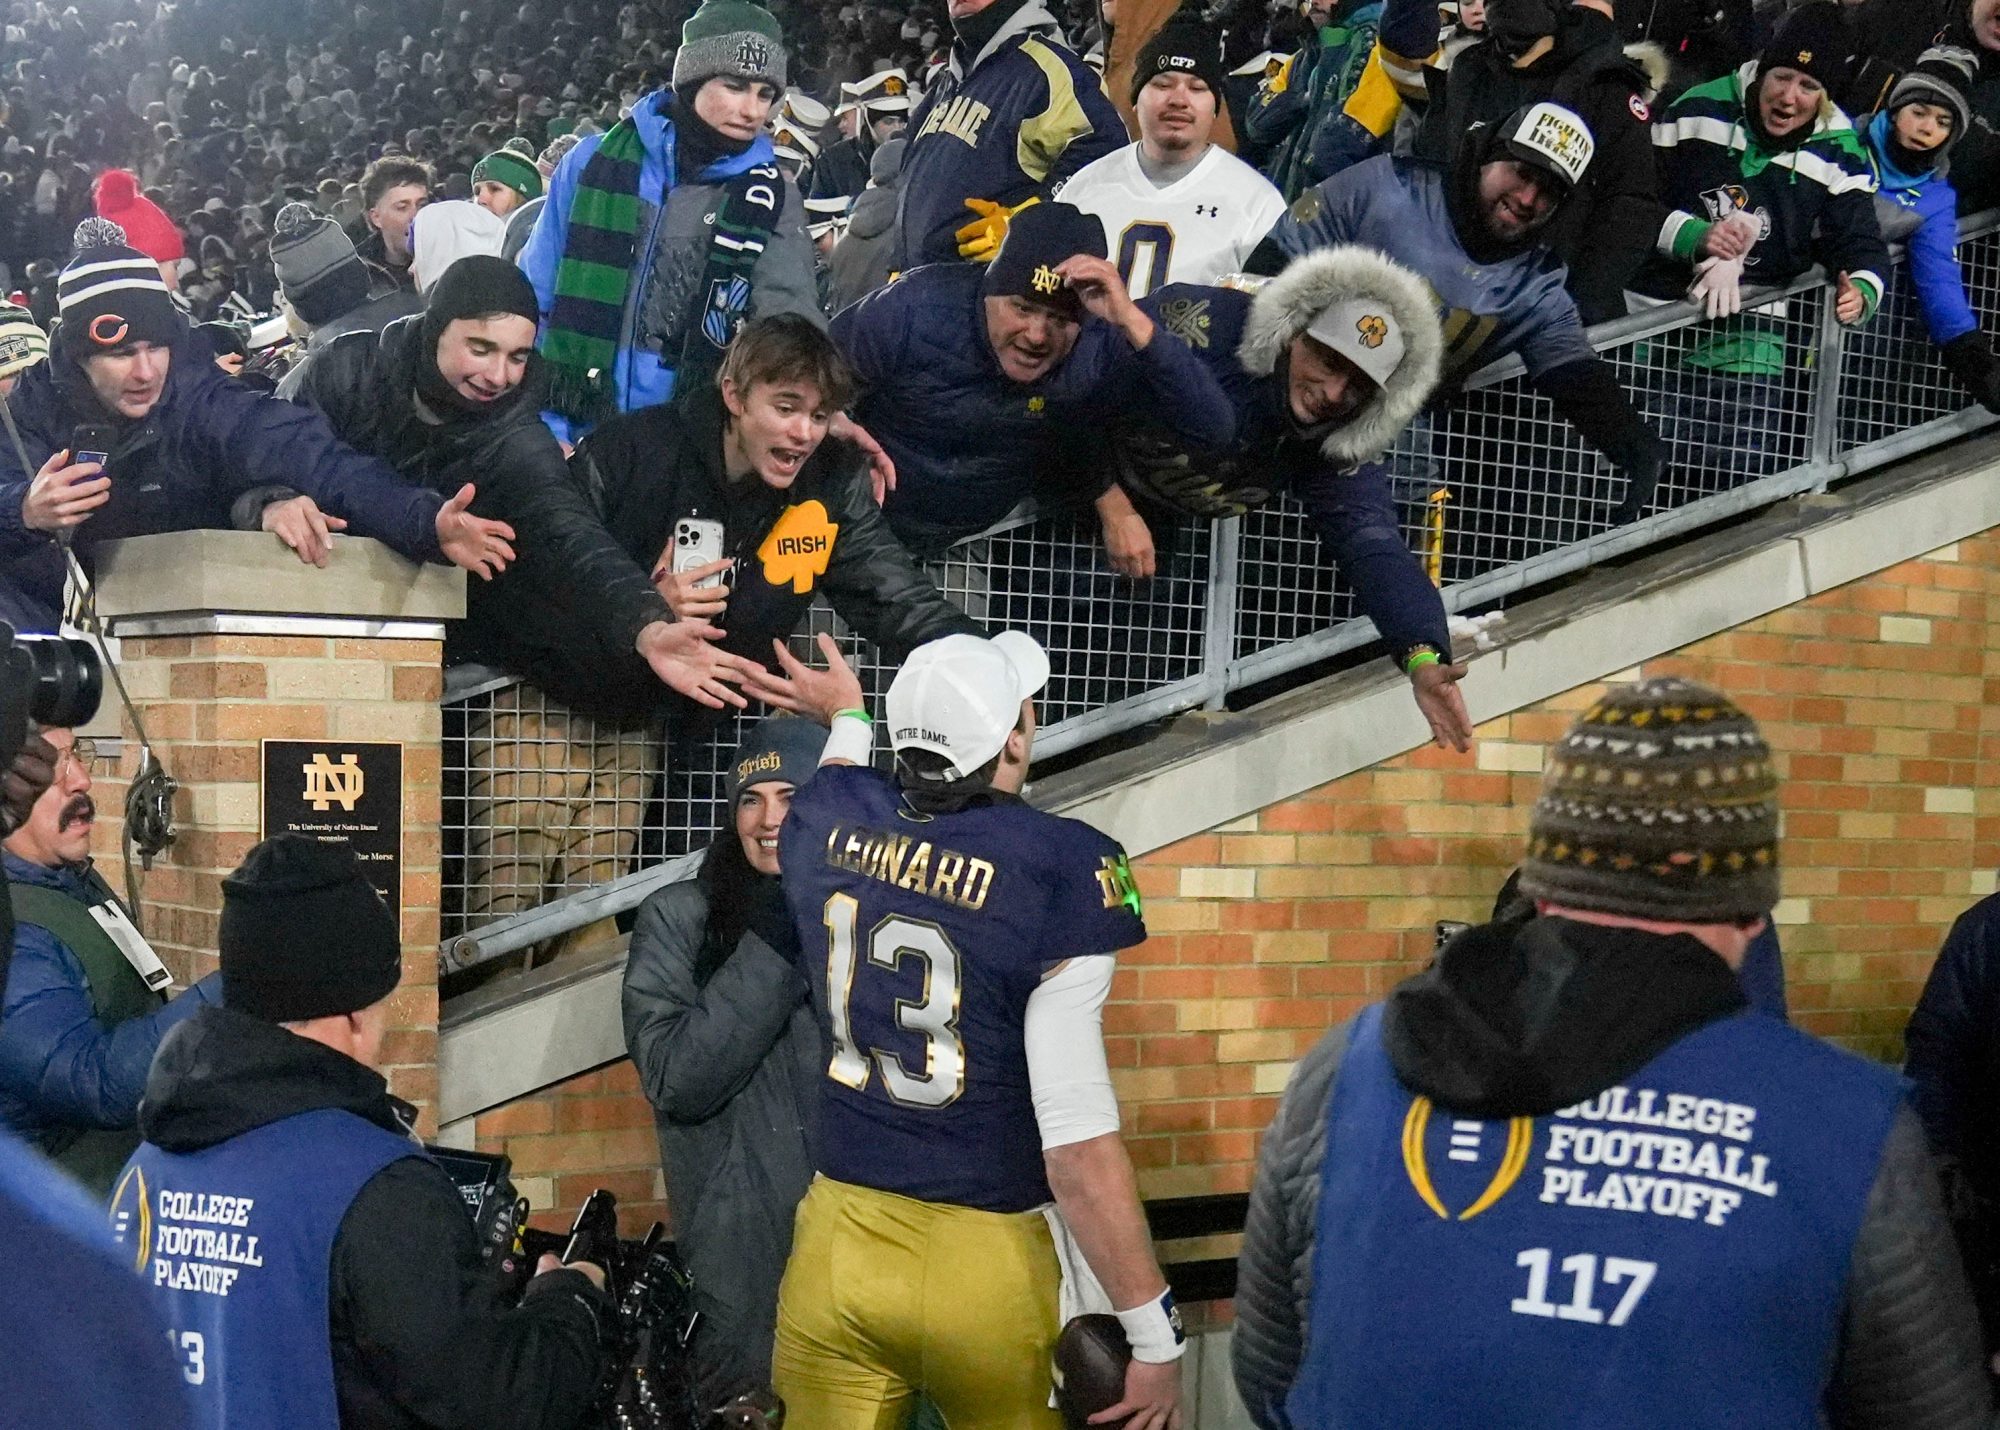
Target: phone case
x=697, y=542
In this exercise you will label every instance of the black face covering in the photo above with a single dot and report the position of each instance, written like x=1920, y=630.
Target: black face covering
x=697, y=143
x=976, y=31
x=1516, y=25
x=477, y=287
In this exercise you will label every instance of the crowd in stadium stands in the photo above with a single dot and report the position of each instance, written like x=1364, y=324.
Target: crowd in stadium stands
x=665, y=319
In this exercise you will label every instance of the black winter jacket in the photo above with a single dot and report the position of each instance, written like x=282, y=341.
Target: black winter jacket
x=569, y=583
x=643, y=471
x=1953, y=1057
x=419, y=1337
x=182, y=465
x=1605, y=231
x=1909, y=1356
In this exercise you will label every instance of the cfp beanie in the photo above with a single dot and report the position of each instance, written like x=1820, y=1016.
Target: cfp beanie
x=516, y=171
x=22, y=343
x=110, y=295
x=1660, y=803
x=1039, y=239
x=1943, y=75
x=318, y=270
x=1813, y=40
x=1181, y=46
x=730, y=37
x=304, y=935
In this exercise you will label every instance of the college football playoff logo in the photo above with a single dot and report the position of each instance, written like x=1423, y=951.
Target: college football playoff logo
x=1466, y=1145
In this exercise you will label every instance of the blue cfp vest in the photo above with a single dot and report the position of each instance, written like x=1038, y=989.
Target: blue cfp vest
x=236, y=1241
x=1673, y=1251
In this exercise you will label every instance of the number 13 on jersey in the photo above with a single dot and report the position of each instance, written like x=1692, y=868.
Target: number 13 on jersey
x=933, y=1016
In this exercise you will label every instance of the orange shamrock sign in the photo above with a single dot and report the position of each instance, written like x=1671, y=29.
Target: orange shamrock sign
x=799, y=546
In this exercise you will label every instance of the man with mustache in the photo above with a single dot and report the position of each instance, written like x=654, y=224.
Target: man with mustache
x=82, y=1010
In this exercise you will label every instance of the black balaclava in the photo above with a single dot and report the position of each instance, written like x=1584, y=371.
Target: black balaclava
x=697, y=143
x=1515, y=26
x=975, y=32
x=481, y=286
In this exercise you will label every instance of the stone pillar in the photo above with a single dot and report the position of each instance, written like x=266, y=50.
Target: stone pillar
x=228, y=640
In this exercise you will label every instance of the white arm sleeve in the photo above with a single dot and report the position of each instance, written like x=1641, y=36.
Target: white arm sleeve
x=1067, y=1073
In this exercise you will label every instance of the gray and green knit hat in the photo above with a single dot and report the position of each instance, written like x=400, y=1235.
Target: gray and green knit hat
x=730, y=37
x=516, y=171
x=1660, y=803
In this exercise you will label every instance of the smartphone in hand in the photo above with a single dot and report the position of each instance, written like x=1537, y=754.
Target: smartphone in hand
x=92, y=442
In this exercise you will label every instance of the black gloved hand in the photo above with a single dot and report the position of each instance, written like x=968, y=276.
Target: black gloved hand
x=33, y=771
x=1970, y=358
x=1642, y=479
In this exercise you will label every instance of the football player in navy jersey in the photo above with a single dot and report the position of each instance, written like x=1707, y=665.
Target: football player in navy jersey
x=972, y=1184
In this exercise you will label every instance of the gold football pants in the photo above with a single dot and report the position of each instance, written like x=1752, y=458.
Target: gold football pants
x=885, y=1296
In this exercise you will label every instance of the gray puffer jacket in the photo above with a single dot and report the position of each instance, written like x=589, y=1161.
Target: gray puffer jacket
x=1909, y=1356
x=732, y=1068
x=860, y=262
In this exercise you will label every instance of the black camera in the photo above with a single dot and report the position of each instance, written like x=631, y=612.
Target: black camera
x=49, y=680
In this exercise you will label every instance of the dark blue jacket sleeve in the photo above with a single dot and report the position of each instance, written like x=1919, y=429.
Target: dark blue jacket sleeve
x=1165, y=377
x=870, y=334
x=260, y=440
x=57, y=1056
x=1950, y=1043
x=1356, y=520
x=1937, y=277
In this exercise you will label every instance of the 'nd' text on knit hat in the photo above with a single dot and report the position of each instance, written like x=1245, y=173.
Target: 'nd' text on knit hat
x=110, y=295
x=304, y=935
x=1660, y=803
x=730, y=37
x=516, y=171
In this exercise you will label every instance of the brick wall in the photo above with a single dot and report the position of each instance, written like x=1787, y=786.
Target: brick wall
x=1269, y=929
x=208, y=701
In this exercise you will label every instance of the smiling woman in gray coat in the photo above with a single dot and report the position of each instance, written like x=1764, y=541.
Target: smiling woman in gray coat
x=728, y=1052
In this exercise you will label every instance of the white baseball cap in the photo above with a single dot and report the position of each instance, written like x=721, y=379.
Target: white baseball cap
x=1366, y=333
x=1553, y=139
x=960, y=696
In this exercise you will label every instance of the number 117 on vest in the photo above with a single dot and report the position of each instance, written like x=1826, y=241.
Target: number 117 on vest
x=1583, y=1270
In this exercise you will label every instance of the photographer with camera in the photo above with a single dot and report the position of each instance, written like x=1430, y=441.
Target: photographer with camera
x=83, y=1009
x=294, y=1231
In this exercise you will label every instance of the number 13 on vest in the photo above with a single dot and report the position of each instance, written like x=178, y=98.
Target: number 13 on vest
x=1634, y=1276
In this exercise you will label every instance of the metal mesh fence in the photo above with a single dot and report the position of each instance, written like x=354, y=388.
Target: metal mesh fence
x=1495, y=490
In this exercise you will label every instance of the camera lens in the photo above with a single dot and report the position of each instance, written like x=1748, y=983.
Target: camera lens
x=67, y=680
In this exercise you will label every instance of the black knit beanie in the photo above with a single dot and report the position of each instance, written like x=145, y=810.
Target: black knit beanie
x=110, y=295
x=304, y=935
x=1814, y=40
x=1184, y=45
x=1660, y=803
x=477, y=286
x=1040, y=239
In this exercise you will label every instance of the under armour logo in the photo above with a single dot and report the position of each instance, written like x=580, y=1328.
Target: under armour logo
x=1374, y=330
x=1045, y=280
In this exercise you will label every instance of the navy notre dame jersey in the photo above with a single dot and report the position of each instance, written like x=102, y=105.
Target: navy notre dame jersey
x=923, y=938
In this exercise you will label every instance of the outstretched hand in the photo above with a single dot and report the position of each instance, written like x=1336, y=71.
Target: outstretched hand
x=472, y=542
x=684, y=656
x=816, y=694
x=1436, y=690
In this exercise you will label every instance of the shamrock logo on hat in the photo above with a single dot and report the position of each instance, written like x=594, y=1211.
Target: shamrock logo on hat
x=1374, y=330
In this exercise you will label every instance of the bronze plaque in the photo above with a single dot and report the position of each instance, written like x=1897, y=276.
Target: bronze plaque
x=346, y=791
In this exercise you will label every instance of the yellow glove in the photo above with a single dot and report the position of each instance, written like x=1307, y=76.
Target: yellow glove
x=980, y=239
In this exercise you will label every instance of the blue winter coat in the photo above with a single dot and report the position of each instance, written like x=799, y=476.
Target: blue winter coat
x=1921, y=212
x=206, y=442
x=677, y=217
x=964, y=437
x=60, y=1067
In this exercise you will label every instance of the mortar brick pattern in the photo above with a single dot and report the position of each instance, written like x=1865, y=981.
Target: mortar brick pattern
x=1881, y=721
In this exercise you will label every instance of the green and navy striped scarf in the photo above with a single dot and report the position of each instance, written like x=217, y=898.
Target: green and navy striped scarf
x=595, y=274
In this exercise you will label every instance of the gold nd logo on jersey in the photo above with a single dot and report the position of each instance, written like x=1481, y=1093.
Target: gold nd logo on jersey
x=1465, y=1139
x=1115, y=882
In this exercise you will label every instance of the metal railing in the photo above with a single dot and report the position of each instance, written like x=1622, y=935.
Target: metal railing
x=1235, y=601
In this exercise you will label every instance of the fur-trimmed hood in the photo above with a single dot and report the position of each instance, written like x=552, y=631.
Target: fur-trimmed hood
x=1284, y=307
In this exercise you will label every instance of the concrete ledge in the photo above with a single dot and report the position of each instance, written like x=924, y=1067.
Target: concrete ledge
x=179, y=572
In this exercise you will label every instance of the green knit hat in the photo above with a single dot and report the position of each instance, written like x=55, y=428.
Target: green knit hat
x=517, y=172
x=1660, y=803
x=730, y=37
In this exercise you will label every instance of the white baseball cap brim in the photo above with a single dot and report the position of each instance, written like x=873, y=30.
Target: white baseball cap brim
x=960, y=697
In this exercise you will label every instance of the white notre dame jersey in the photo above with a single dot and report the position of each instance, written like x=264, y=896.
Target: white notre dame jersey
x=1193, y=231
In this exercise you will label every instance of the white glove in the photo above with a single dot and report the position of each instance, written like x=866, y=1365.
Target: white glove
x=1718, y=287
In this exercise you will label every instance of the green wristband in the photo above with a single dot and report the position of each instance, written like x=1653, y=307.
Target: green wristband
x=1419, y=660
x=862, y=715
